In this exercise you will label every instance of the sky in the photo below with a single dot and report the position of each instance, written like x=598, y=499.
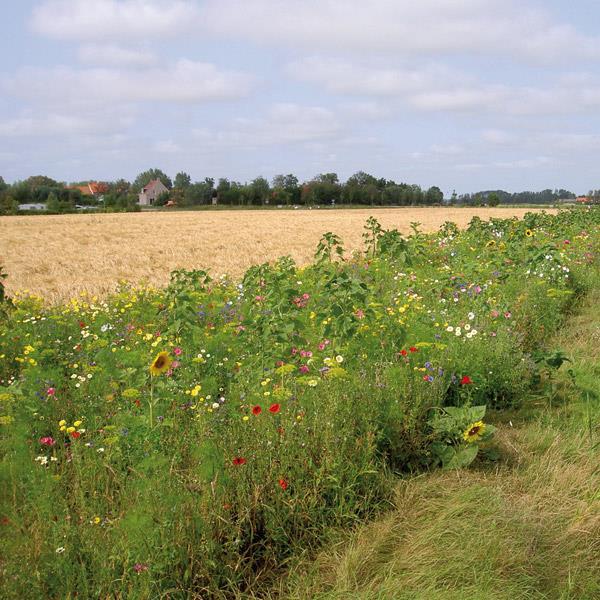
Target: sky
x=464, y=94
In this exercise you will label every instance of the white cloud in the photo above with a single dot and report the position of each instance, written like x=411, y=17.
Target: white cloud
x=345, y=77
x=506, y=27
x=61, y=125
x=433, y=87
x=447, y=149
x=115, y=56
x=285, y=123
x=185, y=81
x=498, y=136
x=166, y=147
x=524, y=163
x=92, y=20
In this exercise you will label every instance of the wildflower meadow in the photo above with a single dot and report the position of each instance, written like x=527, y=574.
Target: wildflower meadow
x=190, y=441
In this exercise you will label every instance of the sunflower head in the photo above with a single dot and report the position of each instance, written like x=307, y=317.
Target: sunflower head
x=529, y=233
x=474, y=432
x=160, y=364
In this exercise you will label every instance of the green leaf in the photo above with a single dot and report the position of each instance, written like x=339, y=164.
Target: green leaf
x=462, y=457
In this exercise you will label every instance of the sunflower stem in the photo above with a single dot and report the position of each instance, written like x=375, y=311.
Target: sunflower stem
x=151, y=401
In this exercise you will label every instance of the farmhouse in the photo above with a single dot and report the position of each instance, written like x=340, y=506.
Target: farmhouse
x=151, y=192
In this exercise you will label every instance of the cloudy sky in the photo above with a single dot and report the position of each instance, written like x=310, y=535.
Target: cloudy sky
x=464, y=94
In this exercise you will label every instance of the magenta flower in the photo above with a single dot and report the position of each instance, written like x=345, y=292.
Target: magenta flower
x=304, y=369
x=47, y=441
x=51, y=391
x=140, y=568
x=177, y=351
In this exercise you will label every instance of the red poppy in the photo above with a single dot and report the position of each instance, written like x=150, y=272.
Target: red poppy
x=256, y=410
x=274, y=408
x=413, y=349
x=283, y=484
x=238, y=460
x=75, y=434
x=466, y=380
x=403, y=352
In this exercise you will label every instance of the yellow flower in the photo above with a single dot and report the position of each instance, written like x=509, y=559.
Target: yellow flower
x=490, y=243
x=474, y=432
x=528, y=233
x=70, y=429
x=160, y=364
x=62, y=422
x=77, y=423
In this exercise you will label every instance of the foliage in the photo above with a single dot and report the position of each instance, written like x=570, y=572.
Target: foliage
x=185, y=441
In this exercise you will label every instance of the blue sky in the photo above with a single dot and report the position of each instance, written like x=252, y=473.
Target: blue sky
x=464, y=94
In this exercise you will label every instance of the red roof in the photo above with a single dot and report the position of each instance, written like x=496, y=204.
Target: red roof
x=151, y=185
x=90, y=189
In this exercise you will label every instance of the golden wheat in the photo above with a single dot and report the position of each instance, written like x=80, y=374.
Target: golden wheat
x=60, y=256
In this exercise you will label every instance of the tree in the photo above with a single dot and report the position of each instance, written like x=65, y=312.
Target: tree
x=199, y=193
x=258, y=191
x=330, y=178
x=493, y=199
x=52, y=204
x=37, y=181
x=362, y=178
x=285, y=189
x=434, y=195
x=182, y=181
x=146, y=177
x=8, y=204
x=162, y=199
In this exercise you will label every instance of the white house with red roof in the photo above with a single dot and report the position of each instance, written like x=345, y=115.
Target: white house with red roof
x=151, y=191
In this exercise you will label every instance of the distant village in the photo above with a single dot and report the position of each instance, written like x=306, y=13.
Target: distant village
x=154, y=190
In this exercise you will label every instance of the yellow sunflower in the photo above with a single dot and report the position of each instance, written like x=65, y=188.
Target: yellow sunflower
x=474, y=432
x=529, y=233
x=160, y=364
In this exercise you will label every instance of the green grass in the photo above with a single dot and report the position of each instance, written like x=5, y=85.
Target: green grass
x=527, y=527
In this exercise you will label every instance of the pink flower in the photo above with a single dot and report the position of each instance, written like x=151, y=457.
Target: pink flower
x=47, y=441
x=140, y=568
x=321, y=346
x=507, y=315
x=359, y=314
x=177, y=351
x=294, y=351
x=494, y=314
x=304, y=369
x=51, y=391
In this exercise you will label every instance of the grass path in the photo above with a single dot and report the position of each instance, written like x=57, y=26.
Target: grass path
x=525, y=528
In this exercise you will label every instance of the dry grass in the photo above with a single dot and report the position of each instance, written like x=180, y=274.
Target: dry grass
x=60, y=256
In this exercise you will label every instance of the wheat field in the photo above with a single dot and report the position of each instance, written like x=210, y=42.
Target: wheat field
x=60, y=256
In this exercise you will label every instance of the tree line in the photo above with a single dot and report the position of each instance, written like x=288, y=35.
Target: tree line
x=495, y=197
x=324, y=189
